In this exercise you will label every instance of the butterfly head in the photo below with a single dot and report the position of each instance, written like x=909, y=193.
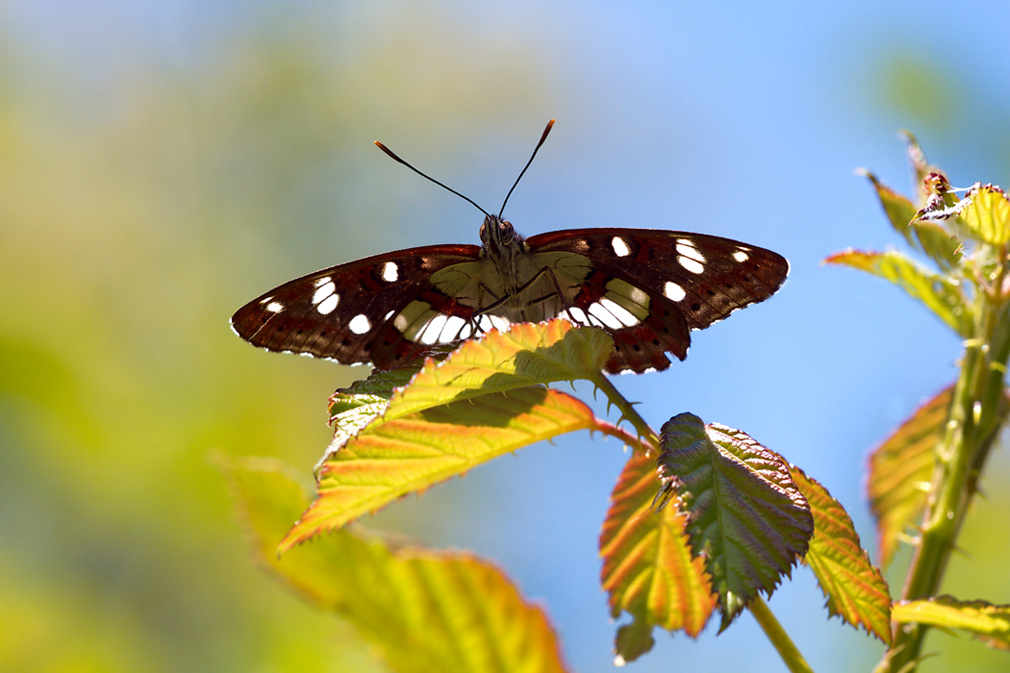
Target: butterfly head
x=497, y=235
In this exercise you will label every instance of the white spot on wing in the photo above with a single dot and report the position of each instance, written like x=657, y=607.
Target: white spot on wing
x=453, y=328
x=319, y=282
x=578, y=315
x=484, y=322
x=620, y=313
x=602, y=314
x=275, y=307
x=621, y=248
x=741, y=256
x=686, y=249
x=327, y=305
x=692, y=265
x=359, y=324
x=324, y=291
x=674, y=291
x=400, y=323
x=501, y=322
x=390, y=273
x=432, y=330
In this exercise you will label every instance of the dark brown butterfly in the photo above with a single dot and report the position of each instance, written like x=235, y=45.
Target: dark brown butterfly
x=647, y=288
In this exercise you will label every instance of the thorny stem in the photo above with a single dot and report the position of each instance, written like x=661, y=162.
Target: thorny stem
x=976, y=414
x=627, y=409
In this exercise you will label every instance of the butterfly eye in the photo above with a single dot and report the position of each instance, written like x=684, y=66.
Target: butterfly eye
x=506, y=232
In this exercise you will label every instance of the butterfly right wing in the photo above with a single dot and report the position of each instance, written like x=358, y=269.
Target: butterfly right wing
x=648, y=288
x=383, y=310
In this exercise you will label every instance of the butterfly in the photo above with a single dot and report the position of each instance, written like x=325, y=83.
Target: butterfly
x=646, y=288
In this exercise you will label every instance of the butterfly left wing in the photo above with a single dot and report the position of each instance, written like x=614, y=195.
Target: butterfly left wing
x=383, y=310
x=648, y=288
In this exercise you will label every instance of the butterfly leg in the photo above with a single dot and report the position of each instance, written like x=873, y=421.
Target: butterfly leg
x=557, y=293
x=497, y=301
x=544, y=271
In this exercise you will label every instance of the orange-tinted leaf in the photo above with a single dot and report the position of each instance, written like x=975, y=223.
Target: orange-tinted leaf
x=987, y=622
x=745, y=514
x=648, y=570
x=389, y=459
x=398, y=432
x=525, y=355
x=422, y=610
x=900, y=470
x=854, y=587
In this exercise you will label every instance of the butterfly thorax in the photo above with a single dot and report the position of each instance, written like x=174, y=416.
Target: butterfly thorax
x=513, y=281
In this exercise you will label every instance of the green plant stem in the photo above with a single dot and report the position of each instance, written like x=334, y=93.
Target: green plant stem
x=627, y=410
x=778, y=636
x=977, y=411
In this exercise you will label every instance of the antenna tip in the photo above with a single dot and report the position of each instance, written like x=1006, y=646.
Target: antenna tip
x=544, y=136
x=389, y=152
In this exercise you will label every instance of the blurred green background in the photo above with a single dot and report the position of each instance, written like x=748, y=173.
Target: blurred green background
x=162, y=163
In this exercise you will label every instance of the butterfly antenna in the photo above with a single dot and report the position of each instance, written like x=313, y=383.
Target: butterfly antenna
x=535, y=150
x=428, y=177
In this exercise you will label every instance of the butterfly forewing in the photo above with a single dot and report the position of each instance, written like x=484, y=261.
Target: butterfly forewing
x=374, y=310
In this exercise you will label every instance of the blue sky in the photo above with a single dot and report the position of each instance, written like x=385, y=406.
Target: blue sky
x=746, y=122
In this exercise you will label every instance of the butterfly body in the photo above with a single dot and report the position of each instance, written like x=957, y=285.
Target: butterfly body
x=646, y=288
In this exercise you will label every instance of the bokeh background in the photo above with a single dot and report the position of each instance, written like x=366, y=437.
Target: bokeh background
x=163, y=162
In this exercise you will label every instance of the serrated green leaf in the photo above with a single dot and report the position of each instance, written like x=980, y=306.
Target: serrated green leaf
x=987, y=622
x=424, y=611
x=389, y=459
x=746, y=516
x=938, y=243
x=648, y=569
x=987, y=214
x=353, y=408
x=899, y=209
x=854, y=587
x=380, y=384
x=900, y=470
x=940, y=294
